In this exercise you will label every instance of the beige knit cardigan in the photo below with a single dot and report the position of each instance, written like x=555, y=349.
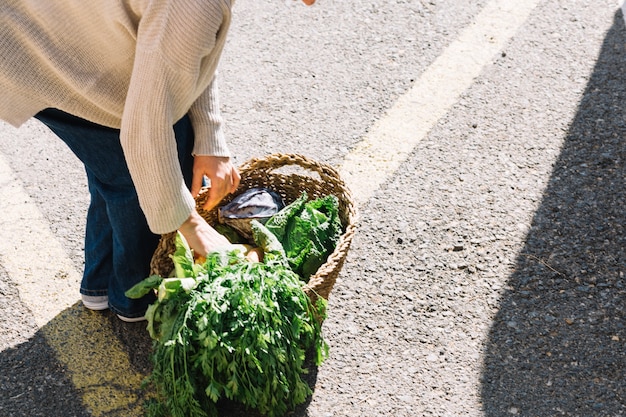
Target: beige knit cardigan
x=135, y=65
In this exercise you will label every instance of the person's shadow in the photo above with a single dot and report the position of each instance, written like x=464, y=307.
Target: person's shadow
x=558, y=343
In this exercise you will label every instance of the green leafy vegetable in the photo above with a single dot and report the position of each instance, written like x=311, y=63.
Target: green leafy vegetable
x=308, y=231
x=272, y=248
x=229, y=233
x=144, y=287
x=183, y=259
x=234, y=329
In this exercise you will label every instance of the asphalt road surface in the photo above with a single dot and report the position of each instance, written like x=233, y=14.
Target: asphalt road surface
x=485, y=143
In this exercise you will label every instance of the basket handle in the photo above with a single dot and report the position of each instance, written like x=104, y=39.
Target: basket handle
x=275, y=161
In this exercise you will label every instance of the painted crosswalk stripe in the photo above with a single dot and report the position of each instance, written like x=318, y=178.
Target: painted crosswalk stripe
x=48, y=282
x=395, y=135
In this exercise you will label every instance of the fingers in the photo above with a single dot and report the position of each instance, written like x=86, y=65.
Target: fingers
x=223, y=175
x=196, y=184
x=214, y=198
x=220, y=188
x=235, y=178
x=200, y=236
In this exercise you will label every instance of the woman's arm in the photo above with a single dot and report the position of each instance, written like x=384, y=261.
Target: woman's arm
x=178, y=46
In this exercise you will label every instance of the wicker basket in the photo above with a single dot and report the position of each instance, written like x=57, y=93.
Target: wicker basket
x=263, y=172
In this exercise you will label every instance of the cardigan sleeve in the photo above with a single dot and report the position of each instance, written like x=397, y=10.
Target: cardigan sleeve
x=178, y=46
x=207, y=123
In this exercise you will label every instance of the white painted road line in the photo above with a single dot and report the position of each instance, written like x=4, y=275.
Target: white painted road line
x=48, y=285
x=32, y=256
x=393, y=138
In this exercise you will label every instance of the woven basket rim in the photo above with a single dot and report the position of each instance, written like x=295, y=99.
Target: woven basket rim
x=258, y=170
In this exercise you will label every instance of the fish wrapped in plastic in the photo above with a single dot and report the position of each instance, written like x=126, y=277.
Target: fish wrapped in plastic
x=253, y=204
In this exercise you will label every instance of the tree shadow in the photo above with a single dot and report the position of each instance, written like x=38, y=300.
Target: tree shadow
x=557, y=345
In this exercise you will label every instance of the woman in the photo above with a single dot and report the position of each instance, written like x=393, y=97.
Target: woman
x=130, y=86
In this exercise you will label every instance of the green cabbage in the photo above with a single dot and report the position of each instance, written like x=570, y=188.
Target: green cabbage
x=309, y=232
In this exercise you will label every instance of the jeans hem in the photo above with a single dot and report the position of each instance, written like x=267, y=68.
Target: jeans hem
x=126, y=314
x=93, y=293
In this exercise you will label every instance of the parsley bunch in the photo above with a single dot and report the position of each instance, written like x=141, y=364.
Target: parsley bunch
x=232, y=329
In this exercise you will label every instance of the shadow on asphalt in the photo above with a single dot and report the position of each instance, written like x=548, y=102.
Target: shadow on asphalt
x=35, y=383
x=558, y=343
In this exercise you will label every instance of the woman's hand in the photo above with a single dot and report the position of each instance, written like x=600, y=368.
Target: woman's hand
x=200, y=236
x=223, y=175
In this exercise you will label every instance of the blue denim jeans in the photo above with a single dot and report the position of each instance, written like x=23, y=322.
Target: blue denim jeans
x=118, y=242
